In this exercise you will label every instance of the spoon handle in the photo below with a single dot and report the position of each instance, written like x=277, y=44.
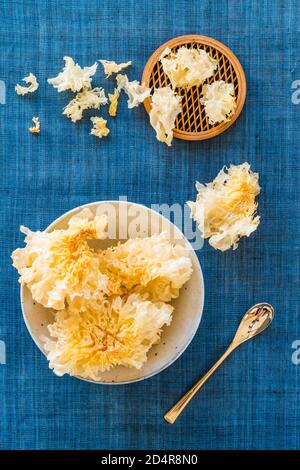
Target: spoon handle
x=175, y=411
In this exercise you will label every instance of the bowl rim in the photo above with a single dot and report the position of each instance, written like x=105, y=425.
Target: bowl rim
x=200, y=312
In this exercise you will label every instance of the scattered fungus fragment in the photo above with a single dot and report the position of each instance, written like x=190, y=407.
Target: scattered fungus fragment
x=187, y=67
x=86, y=99
x=114, y=100
x=36, y=129
x=225, y=209
x=165, y=106
x=99, y=127
x=111, y=67
x=136, y=92
x=219, y=101
x=33, y=85
x=73, y=77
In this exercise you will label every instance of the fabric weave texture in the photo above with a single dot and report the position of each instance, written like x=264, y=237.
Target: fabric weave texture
x=253, y=401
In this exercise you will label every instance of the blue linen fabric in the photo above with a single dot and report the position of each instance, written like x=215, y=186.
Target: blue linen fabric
x=253, y=401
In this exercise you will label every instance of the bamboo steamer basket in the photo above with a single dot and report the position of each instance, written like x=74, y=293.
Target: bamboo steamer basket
x=192, y=123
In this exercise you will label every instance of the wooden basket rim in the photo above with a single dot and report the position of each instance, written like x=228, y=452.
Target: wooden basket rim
x=232, y=58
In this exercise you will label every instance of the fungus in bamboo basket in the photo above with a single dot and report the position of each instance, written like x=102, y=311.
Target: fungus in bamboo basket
x=192, y=123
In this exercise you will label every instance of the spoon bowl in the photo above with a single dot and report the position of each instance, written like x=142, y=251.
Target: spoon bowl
x=254, y=322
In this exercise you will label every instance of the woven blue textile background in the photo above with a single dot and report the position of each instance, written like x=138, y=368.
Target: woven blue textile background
x=253, y=402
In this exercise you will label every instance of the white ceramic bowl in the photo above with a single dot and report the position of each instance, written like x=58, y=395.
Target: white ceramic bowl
x=188, y=306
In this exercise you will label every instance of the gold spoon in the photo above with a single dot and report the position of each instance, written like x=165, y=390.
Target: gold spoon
x=255, y=320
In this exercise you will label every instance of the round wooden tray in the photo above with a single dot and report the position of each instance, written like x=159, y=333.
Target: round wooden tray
x=192, y=123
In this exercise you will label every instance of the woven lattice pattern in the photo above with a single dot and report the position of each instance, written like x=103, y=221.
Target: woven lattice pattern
x=193, y=117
